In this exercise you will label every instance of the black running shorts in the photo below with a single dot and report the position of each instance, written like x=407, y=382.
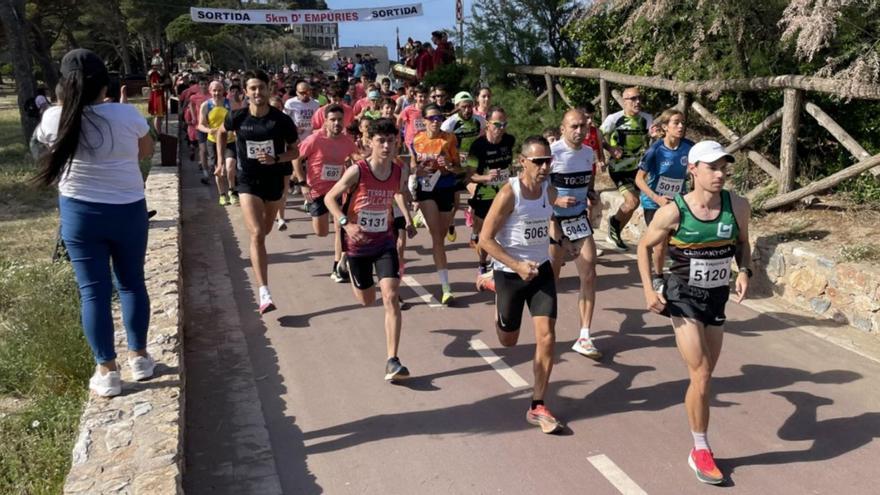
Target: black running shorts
x=267, y=187
x=512, y=293
x=649, y=215
x=625, y=181
x=565, y=220
x=443, y=196
x=703, y=305
x=360, y=268
x=318, y=208
x=480, y=207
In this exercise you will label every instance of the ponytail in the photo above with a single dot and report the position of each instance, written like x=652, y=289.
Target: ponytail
x=78, y=92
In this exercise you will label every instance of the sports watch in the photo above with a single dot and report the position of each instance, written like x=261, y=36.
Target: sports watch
x=343, y=221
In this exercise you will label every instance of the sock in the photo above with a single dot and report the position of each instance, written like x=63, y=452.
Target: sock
x=613, y=223
x=444, y=278
x=264, y=291
x=585, y=333
x=701, y=442
x=536, y=403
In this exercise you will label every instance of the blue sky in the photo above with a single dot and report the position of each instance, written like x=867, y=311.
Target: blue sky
x=438, y=14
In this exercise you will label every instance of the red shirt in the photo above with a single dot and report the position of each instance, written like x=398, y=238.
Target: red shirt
x=592, y=140
x=413, y=123
x=326, y=160
x=424, y=64
x=318, y=118
x=370, y=209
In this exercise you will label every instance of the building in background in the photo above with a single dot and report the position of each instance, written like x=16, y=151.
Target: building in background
x=321, y=36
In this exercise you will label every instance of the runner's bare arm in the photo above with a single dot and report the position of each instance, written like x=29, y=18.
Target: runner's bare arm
x=665, y=221
x=642, y=183
x=743, y=212
x=203, y=119
x=221, y=145
x=502, y=207
x=349, y=179
x=403, y=200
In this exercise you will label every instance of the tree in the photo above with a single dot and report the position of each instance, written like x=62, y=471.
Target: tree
x=12, y=15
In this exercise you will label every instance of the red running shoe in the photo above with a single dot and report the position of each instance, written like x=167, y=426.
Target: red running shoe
x=542, y=417
x=703, y=464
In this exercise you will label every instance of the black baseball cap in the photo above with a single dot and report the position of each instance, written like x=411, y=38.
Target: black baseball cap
x=87, y=62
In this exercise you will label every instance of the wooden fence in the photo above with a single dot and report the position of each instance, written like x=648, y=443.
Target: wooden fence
x=793, y=88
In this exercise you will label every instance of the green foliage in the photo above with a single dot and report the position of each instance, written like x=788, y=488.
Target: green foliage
x=456, y=77
x=6, y=69
x=525, y=116
x=859, y=252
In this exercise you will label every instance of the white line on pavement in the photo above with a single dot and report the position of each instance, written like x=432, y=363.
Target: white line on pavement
x=615, y=475
x=420, y=291
x=500, y=366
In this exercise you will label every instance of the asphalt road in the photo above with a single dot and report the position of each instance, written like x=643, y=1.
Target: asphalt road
x=791, y=413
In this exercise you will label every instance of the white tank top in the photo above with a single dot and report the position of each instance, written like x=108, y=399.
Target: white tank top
x=526, y=233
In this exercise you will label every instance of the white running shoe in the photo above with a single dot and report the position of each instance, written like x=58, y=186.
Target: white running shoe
x=586, y=348
x=108, y=385
x=142, y=367
x=281, y=223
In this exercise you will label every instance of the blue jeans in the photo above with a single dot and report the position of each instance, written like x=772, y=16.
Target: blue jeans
x=95, y=234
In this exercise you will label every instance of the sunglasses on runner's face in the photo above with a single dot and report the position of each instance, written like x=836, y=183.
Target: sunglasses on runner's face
x=439, y=95
x=499, y=124
x=435, y=118
x=539, y=160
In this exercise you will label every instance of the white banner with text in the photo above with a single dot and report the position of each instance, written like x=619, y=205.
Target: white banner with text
x=234, y=16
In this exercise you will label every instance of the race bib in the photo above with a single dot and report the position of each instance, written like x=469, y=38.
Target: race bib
x=576, y=228
x=420, y=125
x=373, y=221
x=503, y=176
x=429, y=182
x=535, y=232
x=709, y=274
x=254, y=147
x=331, y=172
x=669, y=187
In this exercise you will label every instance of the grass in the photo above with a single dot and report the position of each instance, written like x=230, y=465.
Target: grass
x=44, y=359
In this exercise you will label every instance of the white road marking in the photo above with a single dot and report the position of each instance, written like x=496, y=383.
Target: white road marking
x=615, y=475
x=506, y=372
x=420, y=291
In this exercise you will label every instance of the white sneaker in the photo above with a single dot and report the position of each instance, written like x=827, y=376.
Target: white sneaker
x=142, y=367
x=586, y=348
x=107, y=385
x=281, y=223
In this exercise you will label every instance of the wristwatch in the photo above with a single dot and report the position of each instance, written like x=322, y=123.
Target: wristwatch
x=748, y=271
x=343, y=221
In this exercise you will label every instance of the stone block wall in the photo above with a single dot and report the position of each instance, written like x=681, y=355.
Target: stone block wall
x=133, y=443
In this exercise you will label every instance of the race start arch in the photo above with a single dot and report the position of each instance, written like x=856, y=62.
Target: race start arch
x=287, y=17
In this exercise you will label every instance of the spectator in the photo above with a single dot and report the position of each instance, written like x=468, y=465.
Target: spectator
x=425, y=61
x=94, y=152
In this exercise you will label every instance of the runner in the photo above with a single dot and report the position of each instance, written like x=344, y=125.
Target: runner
x=326, y=154
x=466, y=127
x=369, y=240
x=594, y=137
x=301, y=108
x=626, y=136
x=516, y=235
x=484, y=102
x=335, y=93
x=212, y=114
x=704, y=229
x=440, y=97
x=411, y=118
x=571, y=232
x=195, y=103
x=551, y=134
x=261, y=133
x=436, y=162
x=488, y=165
x=662, y=174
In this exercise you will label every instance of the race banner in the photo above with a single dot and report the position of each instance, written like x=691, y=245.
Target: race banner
x=286, y=17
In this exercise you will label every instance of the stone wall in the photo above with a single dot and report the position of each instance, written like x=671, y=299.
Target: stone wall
x=793, y=271
x=133, y=443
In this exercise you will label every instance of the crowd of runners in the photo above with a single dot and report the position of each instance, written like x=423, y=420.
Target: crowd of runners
x=373, y=163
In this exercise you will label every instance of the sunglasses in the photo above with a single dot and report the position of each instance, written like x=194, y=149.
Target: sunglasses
x=499, y=124
x=435, y=118
x=539, y=160
x=439, y=95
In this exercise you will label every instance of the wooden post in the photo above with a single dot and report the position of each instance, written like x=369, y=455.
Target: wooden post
x=551, y=95
x=823, y=184
x=683, y=104
x=791, y=113
x=603, y=98
x=563, y=95
x=843, y=137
